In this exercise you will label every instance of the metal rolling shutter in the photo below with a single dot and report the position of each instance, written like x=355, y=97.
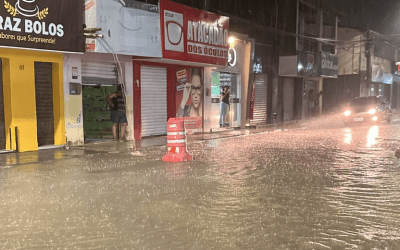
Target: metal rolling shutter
x=260, y=100
x=2, y=127
x=44, y=103
x=99, y=73
x=154, y=100
x=288, y=99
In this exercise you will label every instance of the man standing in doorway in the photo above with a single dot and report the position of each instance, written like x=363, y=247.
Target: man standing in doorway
x=313, y=103
x=118, y=116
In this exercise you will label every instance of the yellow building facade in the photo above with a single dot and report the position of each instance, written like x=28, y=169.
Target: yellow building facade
x=20, y=97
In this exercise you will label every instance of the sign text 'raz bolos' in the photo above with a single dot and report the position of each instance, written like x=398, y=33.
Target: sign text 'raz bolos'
x=54, y=25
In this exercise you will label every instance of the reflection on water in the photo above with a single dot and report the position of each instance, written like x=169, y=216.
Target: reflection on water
x=347, y=136
x=373, y=133
x=301, y=189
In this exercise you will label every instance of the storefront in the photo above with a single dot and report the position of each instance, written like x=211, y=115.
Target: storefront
x=176, y=85
x=395, y=103
x=302, y=80
x=90, y=79
x=107, y=63
x=32, y=101
x=236, y=77
x=381, y=78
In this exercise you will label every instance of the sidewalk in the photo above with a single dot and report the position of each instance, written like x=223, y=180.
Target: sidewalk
x=12, y=159
x=109, y=146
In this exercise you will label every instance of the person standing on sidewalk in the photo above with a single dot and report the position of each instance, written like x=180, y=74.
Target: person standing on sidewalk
x=313, y=103
x=118, y=116
x=224, y=106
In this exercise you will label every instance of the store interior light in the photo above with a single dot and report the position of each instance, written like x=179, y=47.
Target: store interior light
x=232, y=41
x=299, y=67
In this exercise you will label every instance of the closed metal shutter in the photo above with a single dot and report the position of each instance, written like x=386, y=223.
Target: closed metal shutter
x=2, y=127
x=288, y=99
x=154, y=100
x=44, y=103
x=99, y=73
x=260, y=100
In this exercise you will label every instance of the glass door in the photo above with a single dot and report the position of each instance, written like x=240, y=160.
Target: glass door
x=234, y=102
x=220, y=80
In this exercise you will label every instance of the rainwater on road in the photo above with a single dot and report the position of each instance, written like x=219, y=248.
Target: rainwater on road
x=333, y=188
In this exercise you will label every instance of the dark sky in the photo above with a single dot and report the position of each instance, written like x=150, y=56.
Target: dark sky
x=381, y=15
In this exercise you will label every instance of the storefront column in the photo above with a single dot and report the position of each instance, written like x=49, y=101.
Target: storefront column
x=207, y=114
x=320, y=88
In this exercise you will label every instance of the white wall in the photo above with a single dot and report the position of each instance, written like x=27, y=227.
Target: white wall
x=352, y=57
x=73, y=103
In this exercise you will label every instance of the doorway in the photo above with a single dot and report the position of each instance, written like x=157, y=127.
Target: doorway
x=232, y=80
x=44, y=103
x=97, y=124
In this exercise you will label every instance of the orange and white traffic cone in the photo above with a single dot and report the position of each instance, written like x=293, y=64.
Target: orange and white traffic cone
x=176, y=142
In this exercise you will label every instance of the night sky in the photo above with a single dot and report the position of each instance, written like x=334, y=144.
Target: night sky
x=381, y=15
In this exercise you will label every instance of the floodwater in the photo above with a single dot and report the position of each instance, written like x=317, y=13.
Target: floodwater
x=335, y=188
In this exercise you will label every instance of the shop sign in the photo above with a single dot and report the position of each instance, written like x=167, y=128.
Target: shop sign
x=381, y=71
x=257, y=67
x=45, y=24
x=397, y=69
x=232, y=57
x=329, y=64
x=190, y=34
x=307, y=64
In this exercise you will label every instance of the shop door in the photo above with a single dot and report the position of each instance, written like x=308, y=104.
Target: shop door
x=235, y=105
x=260, y=100
x=288, y=99
x=308, y=87
x=44, y=103
x=99, y=79
x=154, y=100
x=2, y=127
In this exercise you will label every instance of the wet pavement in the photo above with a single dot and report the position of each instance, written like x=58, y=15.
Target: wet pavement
x=320, y=187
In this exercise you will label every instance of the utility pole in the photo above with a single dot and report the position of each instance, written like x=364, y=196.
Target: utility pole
x=206, y=4
x=368, y=55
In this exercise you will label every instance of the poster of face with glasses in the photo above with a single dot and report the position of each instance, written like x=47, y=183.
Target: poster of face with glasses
x=189, y=96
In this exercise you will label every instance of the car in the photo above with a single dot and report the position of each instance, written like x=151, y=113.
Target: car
x=371, y=109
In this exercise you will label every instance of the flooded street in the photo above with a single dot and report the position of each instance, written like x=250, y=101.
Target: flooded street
x=335, y=188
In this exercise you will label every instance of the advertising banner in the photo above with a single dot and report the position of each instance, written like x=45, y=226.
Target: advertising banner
x=45, y=24
x=329, y=64
x=189, y=98
x=194, y=35
x=308, y=64
x=381, y=70
x=311, y=64
x=127, y=30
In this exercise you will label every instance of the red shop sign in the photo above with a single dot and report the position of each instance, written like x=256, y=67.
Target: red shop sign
x=194, y=35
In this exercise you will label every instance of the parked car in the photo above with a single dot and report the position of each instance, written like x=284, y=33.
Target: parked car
x=371, y=109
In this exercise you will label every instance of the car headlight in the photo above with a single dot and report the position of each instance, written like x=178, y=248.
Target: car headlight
x=347, y=113
x=372, y=111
